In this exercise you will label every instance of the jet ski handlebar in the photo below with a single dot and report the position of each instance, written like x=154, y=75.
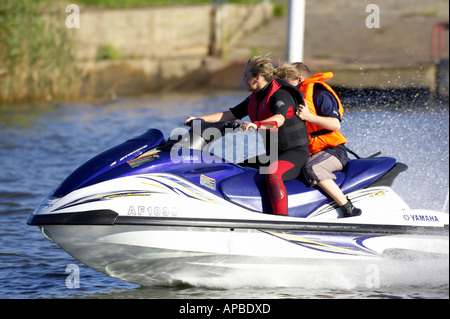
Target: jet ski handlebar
x=199, y=136
x=221, y=125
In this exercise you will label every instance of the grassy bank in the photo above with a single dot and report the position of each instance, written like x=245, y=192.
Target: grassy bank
x=116, y=4
x=36, y=52
x=280, y=8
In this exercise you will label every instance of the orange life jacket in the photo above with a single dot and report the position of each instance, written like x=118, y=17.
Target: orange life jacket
x=320, y=137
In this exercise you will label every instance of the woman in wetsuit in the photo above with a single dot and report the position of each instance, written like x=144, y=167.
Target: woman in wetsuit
x=271, y=107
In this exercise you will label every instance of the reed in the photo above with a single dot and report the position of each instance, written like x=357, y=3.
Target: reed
x=36, y=52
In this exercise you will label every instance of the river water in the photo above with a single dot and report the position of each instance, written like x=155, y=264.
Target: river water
x=41, y=144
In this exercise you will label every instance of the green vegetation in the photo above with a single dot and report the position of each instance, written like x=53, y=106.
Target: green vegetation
x=116, y=4
x=108, y=52
x=426, y=14
x=36, y=57
x=280, y=9
x=255, y=51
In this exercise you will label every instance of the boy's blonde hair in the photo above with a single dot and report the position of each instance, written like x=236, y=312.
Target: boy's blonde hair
x=287, y=71
x=293, y=71
x=303, y=69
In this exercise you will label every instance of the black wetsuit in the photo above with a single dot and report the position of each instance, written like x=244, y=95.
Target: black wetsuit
x=287, y=163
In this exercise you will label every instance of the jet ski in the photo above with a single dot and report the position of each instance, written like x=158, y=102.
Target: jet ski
x=153, y=207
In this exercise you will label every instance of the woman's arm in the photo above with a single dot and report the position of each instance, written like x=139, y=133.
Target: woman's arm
x=216, y=117
x=273, y=122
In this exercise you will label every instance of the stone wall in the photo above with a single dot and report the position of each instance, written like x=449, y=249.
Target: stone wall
x=156, y=45
x=145, y=33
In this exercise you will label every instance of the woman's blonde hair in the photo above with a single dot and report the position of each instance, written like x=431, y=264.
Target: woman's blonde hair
x=261, y=65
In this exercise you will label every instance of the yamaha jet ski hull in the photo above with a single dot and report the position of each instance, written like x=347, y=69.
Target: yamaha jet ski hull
x=133, y=214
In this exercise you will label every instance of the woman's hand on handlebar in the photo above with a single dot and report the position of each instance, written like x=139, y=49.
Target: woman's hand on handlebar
x=187, y=122
x=248, y=126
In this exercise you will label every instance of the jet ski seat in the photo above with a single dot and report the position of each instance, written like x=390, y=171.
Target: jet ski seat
x=251, y=192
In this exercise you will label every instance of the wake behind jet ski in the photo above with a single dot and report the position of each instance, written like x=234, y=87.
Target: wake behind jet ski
x=150, y=207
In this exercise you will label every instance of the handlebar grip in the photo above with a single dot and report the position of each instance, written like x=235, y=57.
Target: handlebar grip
x=236, y=125
x=196, y=119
